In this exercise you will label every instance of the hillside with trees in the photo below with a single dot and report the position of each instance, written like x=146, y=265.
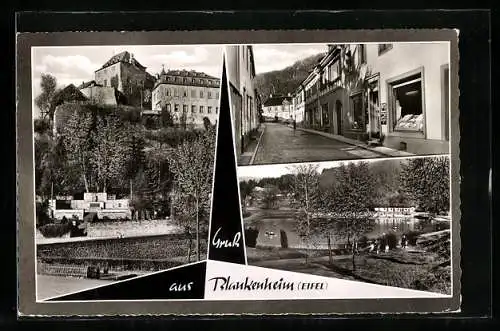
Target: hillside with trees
x=282, y=82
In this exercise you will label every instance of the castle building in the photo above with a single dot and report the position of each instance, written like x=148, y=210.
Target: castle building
x=190, y=96
x=124, y=73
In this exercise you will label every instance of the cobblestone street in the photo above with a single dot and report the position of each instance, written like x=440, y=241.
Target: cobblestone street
x=282, y=144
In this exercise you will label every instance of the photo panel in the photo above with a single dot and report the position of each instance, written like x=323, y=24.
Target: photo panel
x=371, y=227
x=124, y=150
x=296, y=102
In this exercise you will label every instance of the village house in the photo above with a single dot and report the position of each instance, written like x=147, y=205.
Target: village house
x=365, y=91
x=243, y=94
x=190, y=96
x=278, y=106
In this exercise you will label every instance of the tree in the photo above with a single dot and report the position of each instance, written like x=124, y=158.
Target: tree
x=192, y=164
x=166, y=118
x=270, y=196
x=427, y=181
x=76, y=136
x=246, y=190
x=109, y=153
x=304, y=190
x=350, y=199
x=43, y=101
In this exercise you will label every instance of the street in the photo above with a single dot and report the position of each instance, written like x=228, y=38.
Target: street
x=282, y=144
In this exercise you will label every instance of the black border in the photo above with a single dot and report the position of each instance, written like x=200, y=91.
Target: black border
x=475, y=122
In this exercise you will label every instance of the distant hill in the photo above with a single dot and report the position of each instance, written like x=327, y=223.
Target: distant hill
x=282, y=82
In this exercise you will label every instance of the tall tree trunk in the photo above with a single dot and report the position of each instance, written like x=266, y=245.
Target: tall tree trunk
x=330, y=258
x=190, y=244
x=197, y=229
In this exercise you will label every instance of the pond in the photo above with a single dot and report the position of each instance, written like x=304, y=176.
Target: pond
x=277, y=232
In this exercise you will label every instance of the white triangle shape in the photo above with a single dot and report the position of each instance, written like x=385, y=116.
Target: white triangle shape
x=229, y=281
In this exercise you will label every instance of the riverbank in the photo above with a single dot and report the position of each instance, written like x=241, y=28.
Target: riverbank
x=423, y=267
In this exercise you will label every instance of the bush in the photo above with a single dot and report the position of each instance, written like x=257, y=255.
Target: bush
x=389, y=239
x=251, y=235
x=54, y=230
x=363, y=241
x=412, y=237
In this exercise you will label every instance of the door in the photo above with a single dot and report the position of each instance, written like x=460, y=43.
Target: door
x=338, y=109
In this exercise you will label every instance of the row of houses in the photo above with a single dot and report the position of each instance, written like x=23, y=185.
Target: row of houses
x=364, y=91
x=189, y=96
x=243, y=95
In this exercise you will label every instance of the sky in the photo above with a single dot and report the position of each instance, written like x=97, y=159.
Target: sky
x=269, y=57
x=76, y=64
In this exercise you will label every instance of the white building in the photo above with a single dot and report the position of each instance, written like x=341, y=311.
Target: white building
x=104, y=205
x=411, y=86
x=189, y=96
x=278, y=106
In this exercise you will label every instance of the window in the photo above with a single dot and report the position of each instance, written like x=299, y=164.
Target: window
x=216, y=110
x=168, y=107
x=184, y=108
x=209, y=110
x=361, y=54
x=185, y=80
x=201, y=94
x=382, y=48
x=356, y=118
x=209, y=95
x=169, y=93
x=405, y=102
x=193, y=109
x=176, y=92
x=201, y=109
x=217, y=95
x=176, y=108
x=184, y=93
x=193, y=93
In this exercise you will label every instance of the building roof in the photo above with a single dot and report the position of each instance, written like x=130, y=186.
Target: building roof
x=88, y=84
x=276, y=100
x=68, y=94
x=187, y=78
x=124, y=57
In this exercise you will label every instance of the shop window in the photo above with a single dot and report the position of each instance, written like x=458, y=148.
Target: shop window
x=406, y=104
x=382, y=48
x=356, y=117
x=326, y=117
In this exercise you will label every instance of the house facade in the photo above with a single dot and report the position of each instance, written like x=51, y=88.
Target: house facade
x=412, y=95
x=365, y=91
x=190, y=96
x=298, y=105
x=278, y=106
x=243, y=94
